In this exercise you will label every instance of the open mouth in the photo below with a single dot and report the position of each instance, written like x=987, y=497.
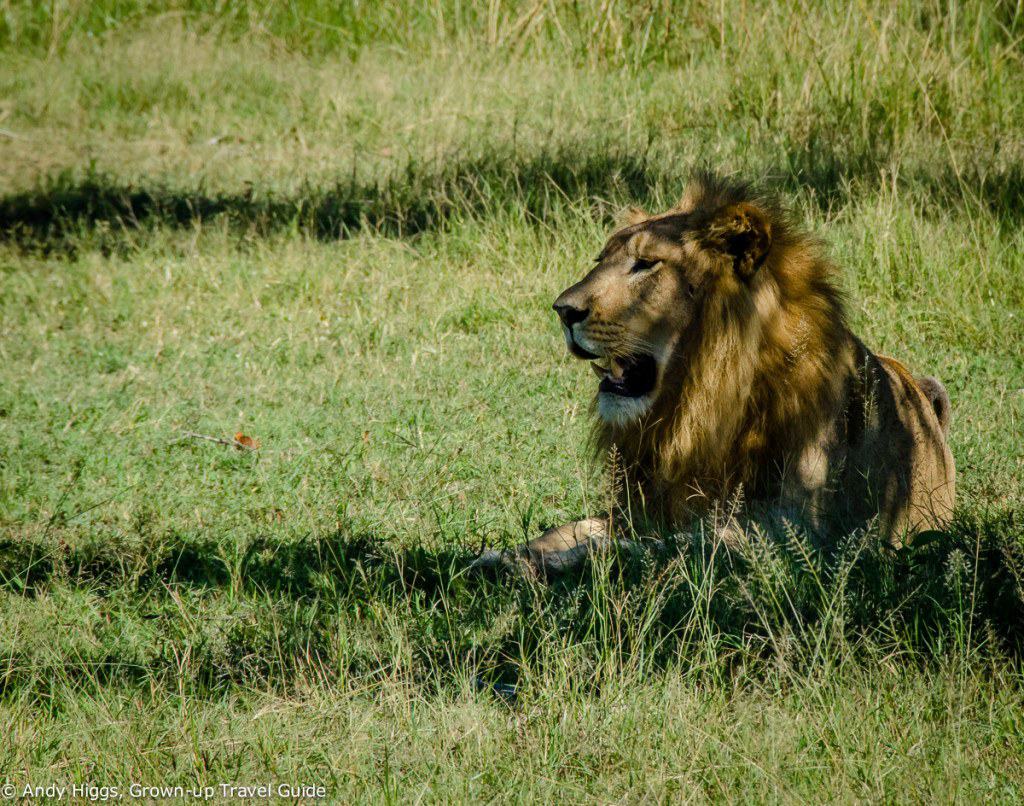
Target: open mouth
x=631, y=376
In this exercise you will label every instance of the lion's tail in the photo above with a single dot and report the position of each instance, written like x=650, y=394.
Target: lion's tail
x=939, y=398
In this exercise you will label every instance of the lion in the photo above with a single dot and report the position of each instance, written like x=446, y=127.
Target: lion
x=727, y=371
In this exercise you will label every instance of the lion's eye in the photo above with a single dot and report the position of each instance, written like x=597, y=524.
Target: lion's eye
x=642, y=265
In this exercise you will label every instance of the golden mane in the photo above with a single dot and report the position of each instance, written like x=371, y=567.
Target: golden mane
x=753, y=378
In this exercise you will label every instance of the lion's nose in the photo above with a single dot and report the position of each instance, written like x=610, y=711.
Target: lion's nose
x=570, y=314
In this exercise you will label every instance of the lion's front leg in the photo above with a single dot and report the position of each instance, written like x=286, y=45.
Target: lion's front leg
x=563, y=548
x=559, y=549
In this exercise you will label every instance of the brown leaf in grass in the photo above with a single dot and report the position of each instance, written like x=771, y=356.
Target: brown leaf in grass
x=242, y=441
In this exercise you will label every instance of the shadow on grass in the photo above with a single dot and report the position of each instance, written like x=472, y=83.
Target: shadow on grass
x=55, y=218
x=102, y=212
x=344, y=605
x=832, y=172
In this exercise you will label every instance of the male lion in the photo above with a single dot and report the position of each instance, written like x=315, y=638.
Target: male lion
x=727, y=371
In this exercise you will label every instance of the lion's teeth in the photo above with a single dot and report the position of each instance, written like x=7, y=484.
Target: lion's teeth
x=603, y=363
x=615, y=368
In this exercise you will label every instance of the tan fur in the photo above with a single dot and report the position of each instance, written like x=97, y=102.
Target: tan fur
x=762, y=390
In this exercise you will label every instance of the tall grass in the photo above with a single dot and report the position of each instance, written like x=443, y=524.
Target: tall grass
x=597, y=32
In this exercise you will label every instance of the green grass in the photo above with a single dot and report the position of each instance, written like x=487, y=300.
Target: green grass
x=339, y=228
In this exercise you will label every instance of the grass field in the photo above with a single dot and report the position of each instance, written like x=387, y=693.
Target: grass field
x=338, y=228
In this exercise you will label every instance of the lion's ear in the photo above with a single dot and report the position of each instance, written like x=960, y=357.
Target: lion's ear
x=744, y=233
x=631, y=216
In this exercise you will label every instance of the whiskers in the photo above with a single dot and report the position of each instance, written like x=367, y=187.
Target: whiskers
x=630, y=344
x=618, y=342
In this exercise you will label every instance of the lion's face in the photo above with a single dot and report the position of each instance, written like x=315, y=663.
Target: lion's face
x=632, y=311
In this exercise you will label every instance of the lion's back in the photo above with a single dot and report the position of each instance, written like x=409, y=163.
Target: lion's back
x=903, y=457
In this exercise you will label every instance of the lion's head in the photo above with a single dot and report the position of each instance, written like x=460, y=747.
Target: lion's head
x=636, y=311
x=715, y=331
x=726, y=364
